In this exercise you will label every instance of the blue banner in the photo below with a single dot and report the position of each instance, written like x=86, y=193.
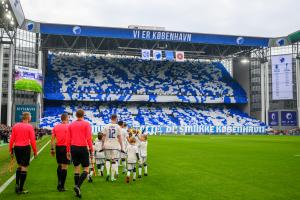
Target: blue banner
x=289, y=118
x=172, y=36
x=169, y=55
x=157, y=55
x=273, y=119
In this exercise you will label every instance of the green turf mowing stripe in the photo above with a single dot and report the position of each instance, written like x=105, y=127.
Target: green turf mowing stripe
x=4, y=186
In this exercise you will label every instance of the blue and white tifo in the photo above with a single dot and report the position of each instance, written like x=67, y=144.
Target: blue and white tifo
x=161, y=97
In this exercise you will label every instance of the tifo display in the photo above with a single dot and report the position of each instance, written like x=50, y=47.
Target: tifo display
x=163, y=96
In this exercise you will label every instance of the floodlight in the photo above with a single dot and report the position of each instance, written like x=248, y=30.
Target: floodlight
x=245, y=61
x=8, y=16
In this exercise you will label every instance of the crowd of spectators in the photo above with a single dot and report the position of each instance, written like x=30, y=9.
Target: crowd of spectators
x=5, y=132
x=294, y=131
x=40, y=132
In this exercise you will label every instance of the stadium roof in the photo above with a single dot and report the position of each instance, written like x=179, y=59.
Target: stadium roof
x=127, y=41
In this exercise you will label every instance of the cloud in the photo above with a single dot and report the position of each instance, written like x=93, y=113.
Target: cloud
x=240, y=17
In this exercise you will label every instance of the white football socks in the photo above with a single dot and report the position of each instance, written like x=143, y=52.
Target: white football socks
x=117, y=168
x=134, y=175
x=91, y=172
x=107, y=164
x=124, y=165
x=113, y=170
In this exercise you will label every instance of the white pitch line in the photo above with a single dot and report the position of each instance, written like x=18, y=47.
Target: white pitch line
x=4, y=186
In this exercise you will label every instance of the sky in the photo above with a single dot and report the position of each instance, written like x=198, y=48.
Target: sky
x=266, y=18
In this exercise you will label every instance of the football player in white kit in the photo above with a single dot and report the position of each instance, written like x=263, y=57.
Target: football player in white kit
x=125, y=138
x=133, y=157
x=143, y=155
x=112, y=145
x=99, y=154
x=136, y=136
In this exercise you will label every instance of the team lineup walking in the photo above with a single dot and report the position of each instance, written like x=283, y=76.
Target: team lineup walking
x=115, y=146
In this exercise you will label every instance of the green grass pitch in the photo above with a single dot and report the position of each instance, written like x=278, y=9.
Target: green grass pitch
x=28, y=85
x=188, y=167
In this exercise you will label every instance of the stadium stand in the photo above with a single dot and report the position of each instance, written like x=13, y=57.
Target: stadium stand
x=106, y=79
x=142, y=93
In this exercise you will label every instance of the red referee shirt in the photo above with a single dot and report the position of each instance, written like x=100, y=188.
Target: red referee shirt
x=22, y=135
x=80, y=134
x=60, y=132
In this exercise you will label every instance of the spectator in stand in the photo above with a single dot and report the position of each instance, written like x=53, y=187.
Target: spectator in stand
x=4, y=133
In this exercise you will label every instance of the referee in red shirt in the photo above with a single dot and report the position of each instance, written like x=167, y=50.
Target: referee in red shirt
x=79, y=140
x=21, y=137
x=60, y=133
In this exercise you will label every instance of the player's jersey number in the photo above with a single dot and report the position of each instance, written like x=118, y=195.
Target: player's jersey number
x=112, y=133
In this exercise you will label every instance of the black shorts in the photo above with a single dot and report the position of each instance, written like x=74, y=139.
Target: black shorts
x=80, y=156
x=22, y=154
x=61, y=155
